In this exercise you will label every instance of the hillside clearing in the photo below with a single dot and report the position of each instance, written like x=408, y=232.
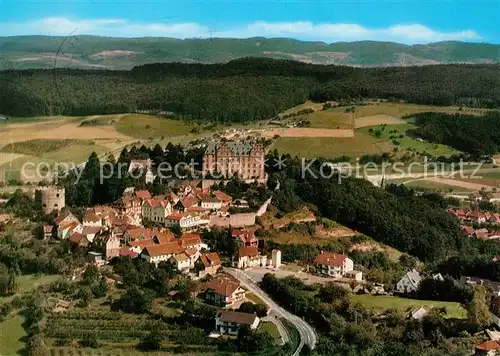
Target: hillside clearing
x=382, y=303
x=308, y=147
x=11, y=335
x=377, y=120
x=146, y=126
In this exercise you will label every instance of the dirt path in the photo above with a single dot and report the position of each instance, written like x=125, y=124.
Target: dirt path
x=459, y=183
x=309, y=132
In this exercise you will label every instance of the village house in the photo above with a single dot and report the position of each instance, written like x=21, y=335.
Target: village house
x=409, y=282
x=225, y=199
x=186, y=203
x=192, y=241
x=245, y=237
x=249, y=256
x=333, y=264
x=211, y=203
x=481, y=234
x=467, y=230
x=185, y=221
x=230, y=322
x=130, y=205
x=210, y=263
x=162, y=237
x=79, y=240
x=488, y=348
x=181, y=262
x=65, y=230
x=492, y=287
x=158, y=253
x=138, y=245
x=111, y=246
x=137, y=233
x=143, y=194
x=91, y=219
x=90, y=232
x=156, y=210
x=223, y=292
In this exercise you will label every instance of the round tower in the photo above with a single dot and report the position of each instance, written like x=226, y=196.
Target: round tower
x=49, y=199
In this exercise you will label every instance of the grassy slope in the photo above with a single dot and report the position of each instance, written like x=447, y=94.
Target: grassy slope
x=145, y=127
x=11, y=333
x=381, y=303
x=408, y=143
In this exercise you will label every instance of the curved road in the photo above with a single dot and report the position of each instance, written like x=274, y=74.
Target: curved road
x=306, y=332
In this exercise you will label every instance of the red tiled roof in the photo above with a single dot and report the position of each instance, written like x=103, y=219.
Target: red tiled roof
x=330, y=259
x=210, y=259
x=164, y=237
x=222, y=196
x=467, y=229
x=91, y=229
x=138, y=232
x=70, y=226
x=250, y=251
x=190, y=239
x=169, y=248
x=154, y=203
x=47, y=228
x=91, y=217
x=223, y=286
x=141, y=243
x=189, y=201
x=177, y=216
x=143, y=194
x=77, y=238
x=126, y=252
x=62, y=217
x=489, y=345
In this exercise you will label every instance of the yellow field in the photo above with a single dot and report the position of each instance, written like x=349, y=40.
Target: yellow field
x=308, y=147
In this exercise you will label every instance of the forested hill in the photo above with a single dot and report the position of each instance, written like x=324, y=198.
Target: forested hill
x=23, y=52
x=241, y=90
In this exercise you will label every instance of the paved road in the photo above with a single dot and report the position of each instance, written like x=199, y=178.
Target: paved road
x=306, y=332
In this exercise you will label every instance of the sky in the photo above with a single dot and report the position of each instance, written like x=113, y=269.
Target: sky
x=404, y=21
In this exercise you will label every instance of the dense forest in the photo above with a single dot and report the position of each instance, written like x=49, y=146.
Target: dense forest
x=241, y=90
x=475, y=135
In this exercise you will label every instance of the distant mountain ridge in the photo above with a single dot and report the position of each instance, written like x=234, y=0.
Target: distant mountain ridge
x=87, y=52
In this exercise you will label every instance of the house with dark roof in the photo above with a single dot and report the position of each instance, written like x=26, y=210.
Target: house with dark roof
x=333, y=264
x=223, y=292
x=230, y=322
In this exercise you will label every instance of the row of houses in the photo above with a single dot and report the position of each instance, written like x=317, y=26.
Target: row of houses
x=481, y=234
x=475, y=216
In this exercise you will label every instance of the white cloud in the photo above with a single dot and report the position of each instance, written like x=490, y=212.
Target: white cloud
x=329, y=32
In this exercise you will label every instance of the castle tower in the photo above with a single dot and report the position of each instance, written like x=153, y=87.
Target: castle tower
x=49, y=199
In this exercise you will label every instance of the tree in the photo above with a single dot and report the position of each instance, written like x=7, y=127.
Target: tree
x=91, y=275
x=85, y=295
x=100, y=288
x=478, y=312
x=151, y=341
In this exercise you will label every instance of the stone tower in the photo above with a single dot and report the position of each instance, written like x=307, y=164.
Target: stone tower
x=49, y=199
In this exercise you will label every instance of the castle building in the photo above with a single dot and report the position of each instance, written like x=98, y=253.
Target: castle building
x=49, y=199
x=228, y=159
